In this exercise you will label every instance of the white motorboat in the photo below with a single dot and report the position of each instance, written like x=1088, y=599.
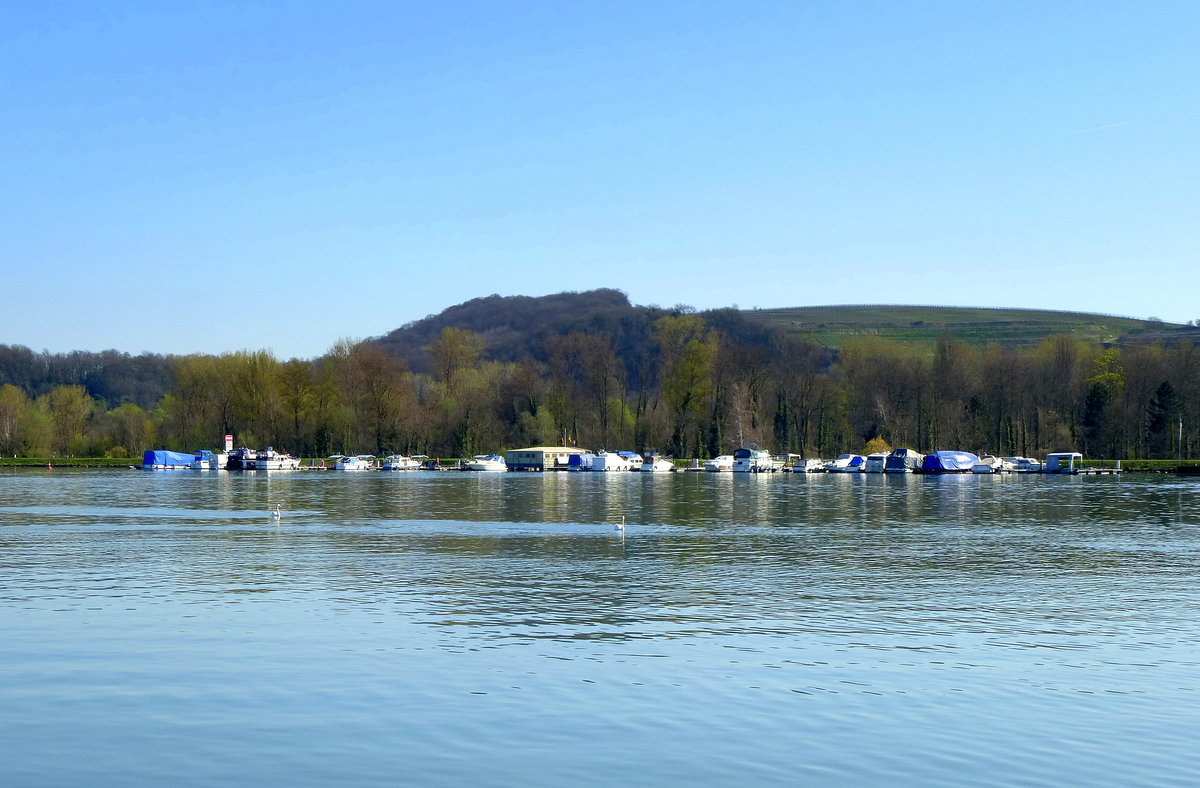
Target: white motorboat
x=398, y=462
x=988, y=464
x=875, y=462
x=808, y=466
x=655, y=464
x=360, y=462
x=271, y=460
x=724, y=463
x=751, y=459
x=612, y=461
x=845, y=463
x=485, y=462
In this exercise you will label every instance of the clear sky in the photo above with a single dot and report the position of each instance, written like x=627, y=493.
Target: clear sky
x=212, y=176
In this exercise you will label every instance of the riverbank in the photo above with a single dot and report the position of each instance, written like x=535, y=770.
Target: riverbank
x=1128, y=466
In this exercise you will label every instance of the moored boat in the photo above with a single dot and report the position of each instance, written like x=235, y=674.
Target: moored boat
x=902, y=461
x=988, y=464
x=751, y=459
x=485, y=462
x=205, y=460
x=613, y=461
x=875, y=462
x=845, y=463
x=164, y=460
x=271, y=460
x=360, y=462
x=948, y=462
x=723, y=463
x=399, y=462
x=580, y=462
x=241, y=459
x=652, y=463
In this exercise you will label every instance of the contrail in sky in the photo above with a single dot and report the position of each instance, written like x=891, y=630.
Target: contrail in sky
x=1098, y=128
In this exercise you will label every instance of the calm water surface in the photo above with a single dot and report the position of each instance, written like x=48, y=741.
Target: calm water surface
x=494, y=629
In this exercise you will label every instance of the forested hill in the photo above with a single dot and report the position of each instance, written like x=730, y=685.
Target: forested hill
x=109, y=376
x=515, y=328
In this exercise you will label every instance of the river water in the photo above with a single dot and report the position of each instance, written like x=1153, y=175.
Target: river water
x=496, y=629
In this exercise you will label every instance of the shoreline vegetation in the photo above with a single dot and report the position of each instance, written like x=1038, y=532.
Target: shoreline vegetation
x=592, y=370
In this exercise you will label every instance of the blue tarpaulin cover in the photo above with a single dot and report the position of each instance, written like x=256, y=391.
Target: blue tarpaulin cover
x=164, y=457
x=941, y=461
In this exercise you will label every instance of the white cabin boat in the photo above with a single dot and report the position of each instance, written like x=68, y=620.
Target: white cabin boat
x=360, y=462
x=751, y=459
x=875, y=462
x=808, y=466
x=724, y=463
x=271, y=460
x=485, y=462
x=399, y=462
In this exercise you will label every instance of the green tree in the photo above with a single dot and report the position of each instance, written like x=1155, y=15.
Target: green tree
x=455, y=350
x=69, y=409
x=15, y=407
x=1162, y=415
x=129, y=426
x=687, y=354
x=1101, y=430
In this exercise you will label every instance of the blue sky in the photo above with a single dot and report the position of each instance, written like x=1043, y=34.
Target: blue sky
x=203, y=177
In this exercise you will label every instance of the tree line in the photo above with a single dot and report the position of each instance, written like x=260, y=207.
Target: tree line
x=695, y=391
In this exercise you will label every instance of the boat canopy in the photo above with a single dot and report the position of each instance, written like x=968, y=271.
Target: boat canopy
x=940, y=461
x=157, y=457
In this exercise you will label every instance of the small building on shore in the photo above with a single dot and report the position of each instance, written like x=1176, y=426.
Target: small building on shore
x=1063, y=462
x=541, y=458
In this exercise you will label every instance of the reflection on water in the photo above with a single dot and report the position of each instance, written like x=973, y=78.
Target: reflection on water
x=443, y=628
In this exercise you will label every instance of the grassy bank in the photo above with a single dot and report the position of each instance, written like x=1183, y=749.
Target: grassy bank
x=1143, y=466
x=69, y=462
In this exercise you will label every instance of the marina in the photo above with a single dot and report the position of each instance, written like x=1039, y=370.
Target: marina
x=748, y=459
